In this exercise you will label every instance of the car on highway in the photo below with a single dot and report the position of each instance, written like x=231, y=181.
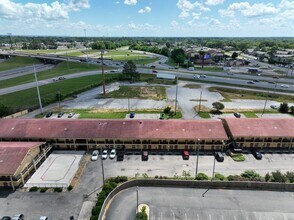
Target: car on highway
x=95, y=155
x=202, y=76
x=18, y=217
x=255, y=80
x=55, y=79
x=61, y=78
x=230, y=74
x=49, y=114
x=285, y=86
x=237, y=115
x=275, y=77
x=104, y=155
x=154, y=71
x=251, y=82
x=60, y=114
x=274, y=106
x=112, y=154
x=270, y=82
x=112, y=71
x=256, y=154
x=70, y=115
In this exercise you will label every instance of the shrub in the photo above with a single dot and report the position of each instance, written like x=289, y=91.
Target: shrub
x=290, y=176
x=108, y=187
x=34, y=189
x=284, y=108
x=57, y=189
x=141, y=216
x=267, y=177
x=94, y=217
x=235, y=178
x=102, y=195
x=69, y=188
x=251, y=175
x=202, y=176
x=238, y=157
x=96, y=210
x=220, y=177
x=277, y=176
x=145, y=175
x=156, y=177
x=42, y=190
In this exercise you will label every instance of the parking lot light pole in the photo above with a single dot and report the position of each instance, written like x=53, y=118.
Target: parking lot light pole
x=137, y=201
x=213, y=170
x=102, y=166
x=197, y=159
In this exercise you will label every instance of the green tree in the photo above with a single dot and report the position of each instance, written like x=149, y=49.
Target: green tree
x=141, y=215
x=178, y=55
x=165, y=51
x=218, y=106
x=292, y=110
x=277, y=176
x=130, y=71
x=4, y=110
x=284, y=108
x=234, y=55
x=167, y=110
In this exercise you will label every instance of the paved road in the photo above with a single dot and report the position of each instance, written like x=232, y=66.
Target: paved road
x=8, y=74
x=188, y=204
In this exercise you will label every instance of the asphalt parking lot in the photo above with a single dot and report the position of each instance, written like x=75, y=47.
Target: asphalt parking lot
x=188, y=204
x=59, y=206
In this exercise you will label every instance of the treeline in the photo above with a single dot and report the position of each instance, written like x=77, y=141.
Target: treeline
x=106, y=45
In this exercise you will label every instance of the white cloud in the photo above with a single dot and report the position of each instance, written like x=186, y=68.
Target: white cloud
x=117, y=2
x=214, y=2
x=32, y=11
x=186, y=7
x=184, y=15
x=174, y=24
x=226, y=13
x=130, y=2
x=214, y=22
x=145, y=26
x=196, y=16
x=286, y=4
x=147, y=9
x=254, y=10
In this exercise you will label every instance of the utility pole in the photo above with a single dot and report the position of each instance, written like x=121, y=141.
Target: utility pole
x=176, y=101
x=129, y=108
x=38, y=91
x=200, y=103
x=103, y=76
x=213, y=170
x=67, y=62
x=137, y=201
x=10, y=41
x=59, y=100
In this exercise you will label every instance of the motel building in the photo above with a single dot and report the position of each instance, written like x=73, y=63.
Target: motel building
x=261, y=134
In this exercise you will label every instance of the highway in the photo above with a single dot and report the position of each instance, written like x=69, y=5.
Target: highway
x=188, y=204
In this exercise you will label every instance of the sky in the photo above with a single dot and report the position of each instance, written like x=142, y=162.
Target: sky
x=146, y=18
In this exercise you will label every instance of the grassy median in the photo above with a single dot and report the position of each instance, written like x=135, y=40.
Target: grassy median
x=17, y=62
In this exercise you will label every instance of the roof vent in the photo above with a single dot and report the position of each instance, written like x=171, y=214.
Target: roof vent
x=183, y=129
x=39, y=128
x=140, y=122
x=209, y=130
x=65, y=129
x=12, y=128
x=275, y=128
x=157, y=129
x=124, y=123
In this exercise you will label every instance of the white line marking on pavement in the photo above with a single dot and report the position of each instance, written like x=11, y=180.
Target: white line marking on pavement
x=235, y=218
x=247, y=218
x=222, y=218
x=186, y=217
x=197, y=217
x=210, y=217
x=174, y=216
x=161, y=215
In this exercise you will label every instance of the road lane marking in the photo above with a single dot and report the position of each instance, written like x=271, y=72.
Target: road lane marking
x=210, y=217
x=197, y=217
x=222, y=218
x=186, y=217
x=235, y=218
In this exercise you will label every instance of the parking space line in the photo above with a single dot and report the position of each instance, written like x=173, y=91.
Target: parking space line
x=174, y=216
x=197, y=217
x=210, y=217
x=247, y=218
x=160, y=215
x=235, y=218
x=222, y=218
x=186, y=217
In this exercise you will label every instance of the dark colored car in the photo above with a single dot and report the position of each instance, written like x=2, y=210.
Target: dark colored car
x=6, y=218
x=219, y=156
x=145, y=156
x=185, y=155
x=237, y=115
x=257, y=154
x=60, y=114
x=120, y=156
x=132, y=114
x=49, y=114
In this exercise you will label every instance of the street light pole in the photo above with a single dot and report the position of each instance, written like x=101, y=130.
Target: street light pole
x=103, y=77
x=59, y=100
x=176, y=101
x=200, y=103
x=38, y=91
x=265, y=103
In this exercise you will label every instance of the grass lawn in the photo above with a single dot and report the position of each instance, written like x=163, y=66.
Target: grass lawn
x=192, y=86
x=28, y=98
x=250, y=114
x=60, y=70
x=115, y=114
x=204, y=115
x=230, y=94
x=140, y=92
x=17, y=62
x=151, y=79
x=238, y=157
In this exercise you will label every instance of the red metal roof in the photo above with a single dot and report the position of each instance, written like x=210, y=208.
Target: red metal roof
x=261, y=127
x=133, y=129
x=12, y=155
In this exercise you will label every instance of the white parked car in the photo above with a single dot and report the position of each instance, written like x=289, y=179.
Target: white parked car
x=18, y=217
x=104, y=154
x=95, y=155
x=112, y=154
x=43, y=218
